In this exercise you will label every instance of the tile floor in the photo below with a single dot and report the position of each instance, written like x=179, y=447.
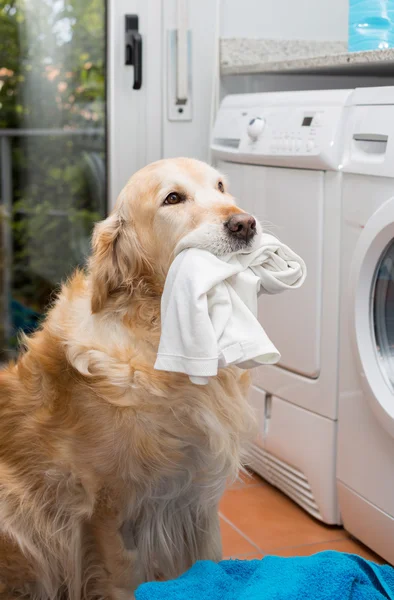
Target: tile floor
x=257, y=519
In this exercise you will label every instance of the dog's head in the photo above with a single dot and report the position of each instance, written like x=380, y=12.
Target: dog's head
x=167, y=206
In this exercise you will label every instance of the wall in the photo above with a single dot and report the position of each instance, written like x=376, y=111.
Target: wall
x=317, y=20
x=320, y=20
x=241, y=84
x=327, y=20
x=191, y=138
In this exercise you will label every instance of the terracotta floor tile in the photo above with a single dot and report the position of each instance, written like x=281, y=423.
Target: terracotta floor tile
x=251, y=478
x=246, y=479
x=271, y=520
x=344, y=545
x=233, y=542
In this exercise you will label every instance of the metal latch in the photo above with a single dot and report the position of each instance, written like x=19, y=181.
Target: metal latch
x=133, y=48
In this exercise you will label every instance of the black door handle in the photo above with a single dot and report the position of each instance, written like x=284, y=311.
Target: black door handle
x=133, y=48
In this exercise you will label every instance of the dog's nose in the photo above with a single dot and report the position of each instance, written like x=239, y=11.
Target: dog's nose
x=242, y=226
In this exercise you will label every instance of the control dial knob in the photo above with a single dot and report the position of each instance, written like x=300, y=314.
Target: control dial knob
x=255, y=128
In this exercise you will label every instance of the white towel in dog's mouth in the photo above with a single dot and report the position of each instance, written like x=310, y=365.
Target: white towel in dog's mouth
x=209, y=307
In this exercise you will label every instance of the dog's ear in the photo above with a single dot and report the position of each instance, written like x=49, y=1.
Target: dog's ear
x=117, y=261
x=104, y=263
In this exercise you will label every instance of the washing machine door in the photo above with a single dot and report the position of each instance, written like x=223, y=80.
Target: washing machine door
x=372, y=329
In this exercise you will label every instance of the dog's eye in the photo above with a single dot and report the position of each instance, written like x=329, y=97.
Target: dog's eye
x=173, y=198
x=221, y=187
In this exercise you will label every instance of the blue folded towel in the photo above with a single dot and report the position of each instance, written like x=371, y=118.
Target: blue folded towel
x=323, y=576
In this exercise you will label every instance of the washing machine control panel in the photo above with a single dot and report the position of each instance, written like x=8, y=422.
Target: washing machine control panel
x=295, y=129
x=294, y=132
x=286, y=136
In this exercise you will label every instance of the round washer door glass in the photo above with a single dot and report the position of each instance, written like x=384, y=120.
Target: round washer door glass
x=383, y=313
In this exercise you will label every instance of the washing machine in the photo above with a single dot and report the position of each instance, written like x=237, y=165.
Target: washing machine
x=366, y=374
x=282, y=153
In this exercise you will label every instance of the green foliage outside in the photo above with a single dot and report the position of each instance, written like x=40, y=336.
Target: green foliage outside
x=52, y=76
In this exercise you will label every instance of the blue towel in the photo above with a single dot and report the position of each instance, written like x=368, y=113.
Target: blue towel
x=323, y=576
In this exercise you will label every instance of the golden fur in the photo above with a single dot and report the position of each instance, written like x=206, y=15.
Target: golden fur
x=111, y=472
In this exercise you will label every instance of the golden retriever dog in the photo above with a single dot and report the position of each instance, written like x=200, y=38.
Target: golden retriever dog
x=110, y=471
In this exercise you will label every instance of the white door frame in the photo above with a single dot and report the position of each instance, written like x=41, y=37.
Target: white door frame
x=134, y=117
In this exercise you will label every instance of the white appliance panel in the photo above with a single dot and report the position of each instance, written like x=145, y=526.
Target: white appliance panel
x=366, y=396
x=282, y=153
x=310, y=447
x=289, y=204
x=293, y=205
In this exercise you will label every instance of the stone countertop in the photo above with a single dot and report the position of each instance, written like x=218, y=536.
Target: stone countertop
x=241, y=56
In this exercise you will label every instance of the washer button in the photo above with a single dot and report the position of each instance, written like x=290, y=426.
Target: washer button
x=317, y=119
x=310, y=145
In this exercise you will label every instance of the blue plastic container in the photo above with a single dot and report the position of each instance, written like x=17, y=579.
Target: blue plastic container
x=371, y=25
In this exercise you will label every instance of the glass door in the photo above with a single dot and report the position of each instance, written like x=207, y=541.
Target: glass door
x=371, y=296
x=383, y=314
x=52, y=150
x=73, y=128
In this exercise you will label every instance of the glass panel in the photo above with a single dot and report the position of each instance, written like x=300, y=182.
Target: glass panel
x=383, y=313
x=52, y=150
